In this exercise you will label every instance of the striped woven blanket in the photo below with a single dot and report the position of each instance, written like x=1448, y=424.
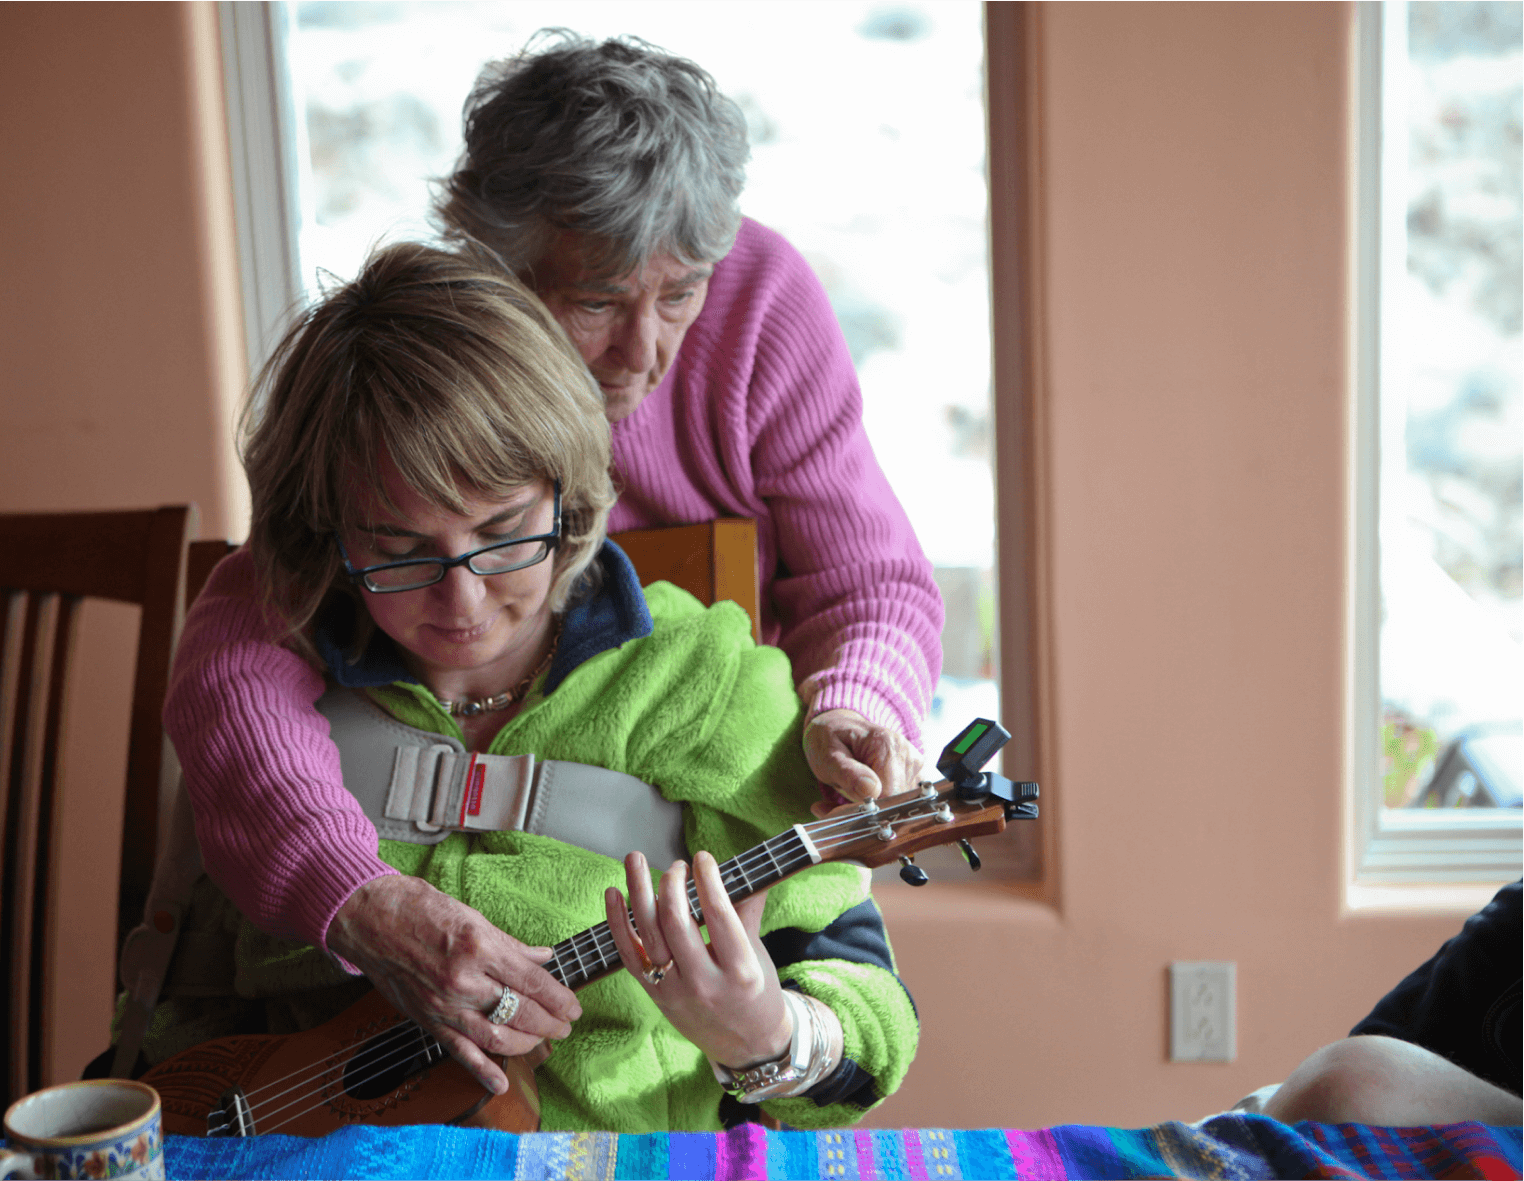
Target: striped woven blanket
x=1225, y=1146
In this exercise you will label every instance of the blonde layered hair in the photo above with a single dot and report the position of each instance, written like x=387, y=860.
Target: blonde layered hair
x=451, y=368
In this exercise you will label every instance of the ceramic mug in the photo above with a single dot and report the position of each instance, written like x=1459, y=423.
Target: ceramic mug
x=106, y=1128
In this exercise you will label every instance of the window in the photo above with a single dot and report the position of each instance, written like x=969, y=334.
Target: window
x=1438, y=676
x=873, y=167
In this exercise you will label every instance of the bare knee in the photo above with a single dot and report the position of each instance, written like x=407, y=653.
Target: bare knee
x=1345, y=1082
x=1383, y=1081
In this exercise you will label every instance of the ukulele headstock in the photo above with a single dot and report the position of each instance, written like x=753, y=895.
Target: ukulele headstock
x=967, y=803
x=878, y=833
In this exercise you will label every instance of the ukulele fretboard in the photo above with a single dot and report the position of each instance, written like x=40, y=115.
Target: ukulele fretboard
x=590, y=954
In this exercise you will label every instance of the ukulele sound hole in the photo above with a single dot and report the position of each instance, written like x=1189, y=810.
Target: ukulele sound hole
x=388, y=1060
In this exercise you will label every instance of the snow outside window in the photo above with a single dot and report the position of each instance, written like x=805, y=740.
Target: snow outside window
x=1439, y=676
x=868, y=153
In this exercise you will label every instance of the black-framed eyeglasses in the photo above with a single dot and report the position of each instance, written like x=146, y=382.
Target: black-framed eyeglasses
x=499, y=558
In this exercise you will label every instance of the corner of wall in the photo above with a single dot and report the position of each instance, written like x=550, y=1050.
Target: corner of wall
x=226, y=516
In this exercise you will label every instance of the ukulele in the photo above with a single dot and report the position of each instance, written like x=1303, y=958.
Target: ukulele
x=372, y=1065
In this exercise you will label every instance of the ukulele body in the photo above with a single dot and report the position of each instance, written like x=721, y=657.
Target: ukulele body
x=358, y=1068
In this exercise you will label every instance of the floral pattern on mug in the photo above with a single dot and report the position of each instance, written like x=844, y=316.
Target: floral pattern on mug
x=129, y=1159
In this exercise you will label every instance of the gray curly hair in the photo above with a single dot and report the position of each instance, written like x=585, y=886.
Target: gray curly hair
x=619, y=141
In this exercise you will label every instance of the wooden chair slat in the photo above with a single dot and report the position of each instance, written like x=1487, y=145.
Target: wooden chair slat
x=28, y=720
x=11, y=639
x=65, y=631
x=151, y=769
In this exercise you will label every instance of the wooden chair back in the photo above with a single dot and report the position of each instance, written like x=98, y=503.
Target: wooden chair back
x=712, y=560
x=204, y=555
x=49, y=563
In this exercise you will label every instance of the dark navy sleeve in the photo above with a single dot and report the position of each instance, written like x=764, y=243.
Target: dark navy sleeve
x=1463, y=1004
x=858, y=937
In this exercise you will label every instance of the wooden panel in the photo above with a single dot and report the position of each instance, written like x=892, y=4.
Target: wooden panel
x=679, y=555
x=103, y=557
x=712, y=560
x=735, y=567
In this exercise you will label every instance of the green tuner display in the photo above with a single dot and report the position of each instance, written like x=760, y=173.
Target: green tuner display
x=964, y=757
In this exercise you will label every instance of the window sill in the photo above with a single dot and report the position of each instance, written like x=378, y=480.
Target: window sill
x=1449, y=848
x=1461, y=898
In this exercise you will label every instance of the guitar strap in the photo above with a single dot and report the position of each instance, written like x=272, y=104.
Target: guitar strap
x=418, y=786
x=415, y=786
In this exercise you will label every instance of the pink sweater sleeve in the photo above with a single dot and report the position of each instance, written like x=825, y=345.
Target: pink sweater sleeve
x=860, y=614
x=278, y=831
x=761, y=417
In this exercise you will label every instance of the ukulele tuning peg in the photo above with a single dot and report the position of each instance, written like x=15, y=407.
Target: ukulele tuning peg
x=969, y=855
x=912, y=873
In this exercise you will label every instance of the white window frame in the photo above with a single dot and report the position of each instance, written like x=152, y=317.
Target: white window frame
x=1389, y=847
x=267, y=146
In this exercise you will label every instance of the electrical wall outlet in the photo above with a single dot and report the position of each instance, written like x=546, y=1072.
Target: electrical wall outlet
x=1203, y=1011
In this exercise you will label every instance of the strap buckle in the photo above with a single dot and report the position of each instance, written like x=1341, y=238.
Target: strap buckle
x=437, y=787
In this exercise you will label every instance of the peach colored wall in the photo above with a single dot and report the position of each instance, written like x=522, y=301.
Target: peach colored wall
x=120, y=356
x=1195, y=188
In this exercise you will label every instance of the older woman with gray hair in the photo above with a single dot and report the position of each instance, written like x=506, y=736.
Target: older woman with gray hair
x=606, y=176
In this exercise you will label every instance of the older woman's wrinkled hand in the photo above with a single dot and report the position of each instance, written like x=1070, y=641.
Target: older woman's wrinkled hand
x=722, y=996
x=860, y=759
x=441, y=963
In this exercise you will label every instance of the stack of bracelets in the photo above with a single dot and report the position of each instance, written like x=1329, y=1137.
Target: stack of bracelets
x=813, y=1053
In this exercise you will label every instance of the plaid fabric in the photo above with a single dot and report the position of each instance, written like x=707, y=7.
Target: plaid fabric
x=1225, y=1146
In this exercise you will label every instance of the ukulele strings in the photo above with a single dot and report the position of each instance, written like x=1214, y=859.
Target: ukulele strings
x=409, y=1039
x=604, y=952
x=396, y=1045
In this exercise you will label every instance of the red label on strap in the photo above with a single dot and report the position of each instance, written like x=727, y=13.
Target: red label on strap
x=476, y=778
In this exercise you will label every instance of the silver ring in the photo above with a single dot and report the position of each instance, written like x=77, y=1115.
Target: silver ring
x=507, y=1006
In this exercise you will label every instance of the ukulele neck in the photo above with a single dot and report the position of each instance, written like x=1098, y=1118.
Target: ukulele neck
x=591, y=954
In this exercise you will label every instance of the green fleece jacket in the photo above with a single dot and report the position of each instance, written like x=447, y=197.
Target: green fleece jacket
x=712, y=720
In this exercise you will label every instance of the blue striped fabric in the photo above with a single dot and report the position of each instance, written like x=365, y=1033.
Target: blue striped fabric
x=1227, y=1146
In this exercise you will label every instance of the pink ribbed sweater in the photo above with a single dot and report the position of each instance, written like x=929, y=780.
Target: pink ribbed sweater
x=760, y=416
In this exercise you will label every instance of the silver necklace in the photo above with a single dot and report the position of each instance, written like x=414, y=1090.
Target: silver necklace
x=484, y=705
